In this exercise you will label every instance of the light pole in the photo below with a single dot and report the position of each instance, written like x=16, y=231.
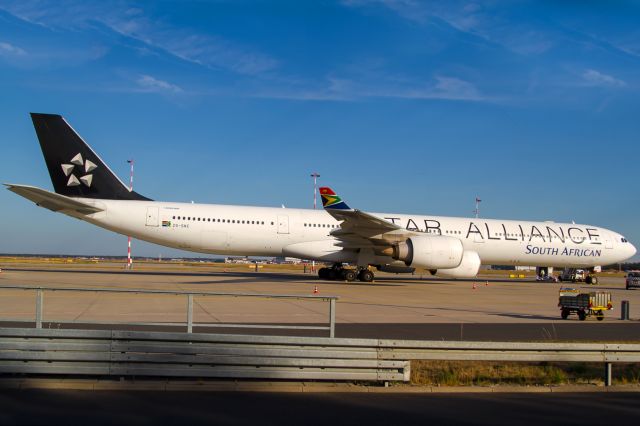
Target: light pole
x=477, y=209
x=315, y=176
x=129, y=237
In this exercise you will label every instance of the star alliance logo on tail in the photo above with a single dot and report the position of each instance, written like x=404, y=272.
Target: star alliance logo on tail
x=86, y=178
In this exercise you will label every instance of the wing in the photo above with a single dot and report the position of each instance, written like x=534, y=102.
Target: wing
x=360, y=229
x=52, y=201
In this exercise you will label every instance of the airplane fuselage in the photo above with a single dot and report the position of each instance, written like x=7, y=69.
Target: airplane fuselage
x=266, y=231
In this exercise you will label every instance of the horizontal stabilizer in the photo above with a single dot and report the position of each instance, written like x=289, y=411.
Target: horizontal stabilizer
x=51, y=200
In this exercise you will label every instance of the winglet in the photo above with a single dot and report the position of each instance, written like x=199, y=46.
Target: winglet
x=330, y=200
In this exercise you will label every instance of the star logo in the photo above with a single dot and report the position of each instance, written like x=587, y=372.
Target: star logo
x=85, y=167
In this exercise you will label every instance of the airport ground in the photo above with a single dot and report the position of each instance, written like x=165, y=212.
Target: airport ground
x=492, y=307
x=38, y=406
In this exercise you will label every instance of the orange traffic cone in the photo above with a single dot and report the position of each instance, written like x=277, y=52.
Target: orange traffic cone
x=474, y=286
x=315, y=289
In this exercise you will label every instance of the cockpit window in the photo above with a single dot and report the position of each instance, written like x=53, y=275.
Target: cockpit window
x=624, y=240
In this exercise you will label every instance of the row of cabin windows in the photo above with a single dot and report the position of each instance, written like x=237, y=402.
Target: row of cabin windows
x=324, y=225
x=208, y=219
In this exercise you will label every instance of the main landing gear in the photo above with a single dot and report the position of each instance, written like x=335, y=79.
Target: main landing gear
x=339, y=273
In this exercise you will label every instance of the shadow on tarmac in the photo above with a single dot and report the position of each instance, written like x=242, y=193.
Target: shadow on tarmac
x=33, y=406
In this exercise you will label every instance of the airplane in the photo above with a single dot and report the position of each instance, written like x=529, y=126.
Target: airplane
x=86, y=189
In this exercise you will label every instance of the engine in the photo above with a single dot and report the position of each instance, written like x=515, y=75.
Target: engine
x=395, y=269
x=429, y=252
x=468, y=268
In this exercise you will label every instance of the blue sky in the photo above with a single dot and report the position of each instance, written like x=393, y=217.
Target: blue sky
x=400, y=105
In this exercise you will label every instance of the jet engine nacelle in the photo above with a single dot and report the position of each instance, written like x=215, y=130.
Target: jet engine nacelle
x=395, y=269
x=468, y=268
x=429, y=252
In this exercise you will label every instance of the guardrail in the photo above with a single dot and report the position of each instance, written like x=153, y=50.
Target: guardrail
x=189, y=321
x=154, y=354
x=132, y=353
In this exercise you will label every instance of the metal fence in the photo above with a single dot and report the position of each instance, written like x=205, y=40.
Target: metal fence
x=158, y=354
x=189, y=322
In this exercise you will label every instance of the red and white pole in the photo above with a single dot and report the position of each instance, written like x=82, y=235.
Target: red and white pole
x=315, y=177
x=129, y=238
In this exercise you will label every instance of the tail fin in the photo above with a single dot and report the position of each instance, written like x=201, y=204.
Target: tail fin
x=330, y=200
x=75, y=170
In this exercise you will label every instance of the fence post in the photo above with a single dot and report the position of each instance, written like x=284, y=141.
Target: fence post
x=39, y=303
x=189, y=313
x=332, y=318
x=607, y=374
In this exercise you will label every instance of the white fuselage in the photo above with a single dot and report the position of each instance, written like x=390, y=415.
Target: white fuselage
x=267, y=231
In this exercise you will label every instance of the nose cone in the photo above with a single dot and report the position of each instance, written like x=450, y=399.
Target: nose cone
x=632, y=250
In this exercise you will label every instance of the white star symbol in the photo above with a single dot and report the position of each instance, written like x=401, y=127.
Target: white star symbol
x=86, y=179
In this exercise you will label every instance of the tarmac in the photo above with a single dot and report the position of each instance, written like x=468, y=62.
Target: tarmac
x=60, y=406
x=492, y=307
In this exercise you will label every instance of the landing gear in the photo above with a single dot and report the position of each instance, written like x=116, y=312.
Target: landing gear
x=348, y=275
x=366, y=276
x=338, y=272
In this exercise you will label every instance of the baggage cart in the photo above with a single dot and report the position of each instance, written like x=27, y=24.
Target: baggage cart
x=584, y=304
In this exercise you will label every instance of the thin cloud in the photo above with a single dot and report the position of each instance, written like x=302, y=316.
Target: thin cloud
x=151, y=84
x=469, y=18
x=209, y=51
x=348, y=90
x=596, y=78
x=7, y=49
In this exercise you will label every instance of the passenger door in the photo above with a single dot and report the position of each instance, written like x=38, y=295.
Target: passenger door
x=152, y=216
x=283, y=224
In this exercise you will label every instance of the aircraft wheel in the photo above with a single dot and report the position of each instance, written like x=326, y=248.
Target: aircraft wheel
x=365, y=276
x=323, y=273
x=348, y=275
x=333, y=274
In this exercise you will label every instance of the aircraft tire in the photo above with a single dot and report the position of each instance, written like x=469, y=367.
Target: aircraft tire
x=333, y=274
x=366, y=276
x=348, y=275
